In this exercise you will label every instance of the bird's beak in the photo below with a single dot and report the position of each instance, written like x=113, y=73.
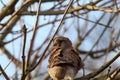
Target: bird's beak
x=55, y=43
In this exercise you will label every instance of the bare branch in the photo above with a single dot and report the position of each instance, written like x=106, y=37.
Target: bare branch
x=24, y=30
x=4, y=74
x=93, y=74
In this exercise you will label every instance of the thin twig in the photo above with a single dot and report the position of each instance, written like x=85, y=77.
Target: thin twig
x=4, y=74
x=113, y=74
x=2, y=3
x=24, y=30
x=8, y=64
x=33, y=35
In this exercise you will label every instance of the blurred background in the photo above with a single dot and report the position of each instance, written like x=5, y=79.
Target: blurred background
x=93, y=26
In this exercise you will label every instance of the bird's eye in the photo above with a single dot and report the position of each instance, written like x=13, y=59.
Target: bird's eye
x=60, y=42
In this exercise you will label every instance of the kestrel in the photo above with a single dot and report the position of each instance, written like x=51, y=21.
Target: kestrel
x=64, y=61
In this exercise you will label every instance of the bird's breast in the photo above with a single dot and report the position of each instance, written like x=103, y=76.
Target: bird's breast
x=62, y=73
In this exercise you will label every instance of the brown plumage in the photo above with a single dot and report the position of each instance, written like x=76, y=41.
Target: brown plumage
x=64, y=61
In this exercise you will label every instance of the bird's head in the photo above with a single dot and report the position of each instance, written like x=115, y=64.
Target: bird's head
x=62, y=42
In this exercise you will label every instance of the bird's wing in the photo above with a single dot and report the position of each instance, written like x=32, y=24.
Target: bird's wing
x=73, y=57
x=62, y=61
x=62, y=57
x=57, y=60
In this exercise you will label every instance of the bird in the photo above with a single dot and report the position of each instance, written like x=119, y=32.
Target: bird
x=64, y=61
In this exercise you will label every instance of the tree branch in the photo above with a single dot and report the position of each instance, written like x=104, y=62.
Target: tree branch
x=93, y=74
x=4, y=74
